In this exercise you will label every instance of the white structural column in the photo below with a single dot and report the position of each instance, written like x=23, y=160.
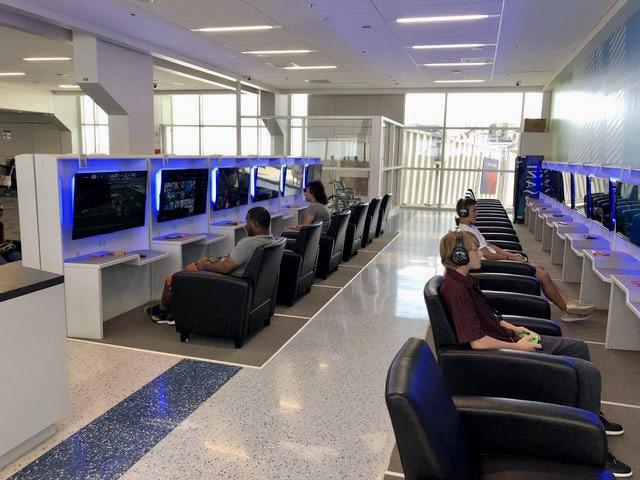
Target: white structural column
x=120, y=81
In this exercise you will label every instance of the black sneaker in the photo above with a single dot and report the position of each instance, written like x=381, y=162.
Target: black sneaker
x=163, y=317
x=611, y=428
x=615, y=466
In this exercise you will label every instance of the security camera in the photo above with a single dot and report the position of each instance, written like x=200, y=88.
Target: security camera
x=247, y=78
x=155, y=84
x=518, y=83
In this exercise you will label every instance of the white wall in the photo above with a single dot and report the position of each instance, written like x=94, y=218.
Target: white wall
x=391, y=106
x=33, y=138
x=67, y=110
x=16, y=97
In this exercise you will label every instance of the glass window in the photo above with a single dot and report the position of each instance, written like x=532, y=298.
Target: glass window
x=88, y=139
x=424, y=109
x=249, y=103
x=532, y=105
x=185, y=109
x=95, y=127
x=249, y=141
x=218, y=141
x=296, y=142
x=186, y=140
x=219, y=109
x=484, y=109
x=299, y=104
x=87, y=107
x=265, y=142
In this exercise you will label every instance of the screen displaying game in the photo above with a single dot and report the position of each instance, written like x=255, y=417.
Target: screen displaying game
x=314, y=172
x=183, y=193
x=232, y=188
x=293, y=180
x=106, y=202
x=267, y=183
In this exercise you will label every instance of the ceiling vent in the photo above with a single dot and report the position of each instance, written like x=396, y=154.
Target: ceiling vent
x=318, y=82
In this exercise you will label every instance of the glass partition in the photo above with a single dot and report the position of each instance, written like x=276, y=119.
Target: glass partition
x=628, y=210
x=600, y=200
x=566, y=189
x=580, y=184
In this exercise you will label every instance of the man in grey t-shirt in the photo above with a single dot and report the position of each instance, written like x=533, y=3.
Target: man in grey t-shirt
x=258, y=226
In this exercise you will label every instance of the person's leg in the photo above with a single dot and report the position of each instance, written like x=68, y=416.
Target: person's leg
x=165, y=300
x=550, y=289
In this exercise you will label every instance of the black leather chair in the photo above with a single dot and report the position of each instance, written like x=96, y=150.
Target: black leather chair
x=226, y=306
x=505, y=266
x=355, y=230
x=371, y=221
x=298, y=266
x=332, y=244
x=484, y=438
x=383, y=216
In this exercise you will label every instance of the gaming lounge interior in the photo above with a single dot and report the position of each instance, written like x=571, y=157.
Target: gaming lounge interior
x=266, y=239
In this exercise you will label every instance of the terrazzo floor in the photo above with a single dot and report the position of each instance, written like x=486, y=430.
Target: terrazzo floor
x=316, y=410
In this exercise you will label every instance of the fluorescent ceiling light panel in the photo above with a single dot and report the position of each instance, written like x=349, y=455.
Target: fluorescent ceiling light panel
x=276, y=52
x=193, y=77
x=247, y=28
x=458, y=81
x=12, y=74
x=443, y=19
x=68, y=86
x=456, y=64
x=46, y=59
x=311, y=67
x=452, y=45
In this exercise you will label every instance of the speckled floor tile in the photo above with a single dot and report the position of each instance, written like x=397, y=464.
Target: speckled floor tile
x=108, y=446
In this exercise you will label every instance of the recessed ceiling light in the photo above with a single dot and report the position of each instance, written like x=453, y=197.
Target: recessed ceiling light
x=12, y=74
x=311, y=67
x=456, y=64
x=458, y=81
x=276, y=52
x=233, y=29
x=68, y=86
x=452, y=45
x=446, y=18
x=46, y=59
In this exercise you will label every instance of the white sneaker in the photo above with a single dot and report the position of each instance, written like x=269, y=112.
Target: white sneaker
x=567, y=317
x=579, y=308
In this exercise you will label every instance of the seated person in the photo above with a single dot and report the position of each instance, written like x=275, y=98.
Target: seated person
x=258, y=228
x=572, y=310
x=479, y=327
x=317, y=210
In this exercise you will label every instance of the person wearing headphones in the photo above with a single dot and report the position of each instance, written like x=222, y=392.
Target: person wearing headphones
x=572, y=310
x=478, y=326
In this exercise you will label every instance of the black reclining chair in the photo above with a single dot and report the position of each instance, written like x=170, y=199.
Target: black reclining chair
x=484, y=438
x=355, y=230
x=298, y=267
x=383, y=216
x=332, y=244
x=226, y=306
x=371, y=221
x=506, y=266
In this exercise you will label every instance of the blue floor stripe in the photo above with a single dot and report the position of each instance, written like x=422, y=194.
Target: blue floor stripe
x=108, y=446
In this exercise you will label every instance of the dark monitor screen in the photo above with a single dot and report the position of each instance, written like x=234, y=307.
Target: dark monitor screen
x=600, y=211
x=566, y=187
x=293, y=180
x=627, y=209
x=106, y=202
x=267, y=183
x=314, y=172
x=183, y=193
x=232, y=188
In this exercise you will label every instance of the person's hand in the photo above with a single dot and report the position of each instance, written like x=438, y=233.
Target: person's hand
x=516, y=257
x=522, y=330
x=525, y=344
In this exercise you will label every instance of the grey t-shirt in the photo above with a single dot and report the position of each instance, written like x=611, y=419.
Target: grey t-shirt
x=243, y=251
x=320, y=214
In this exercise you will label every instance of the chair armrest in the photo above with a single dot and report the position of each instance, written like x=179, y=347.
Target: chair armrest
x=507, y=282
x=288, y=234
x=507, y=230
x=502, y=237
x=326, y=243
x=291, y=242
x=510, y=374
x=506, y=266
x=511, y=246
x=518, y=427
x=538, y=325
x=508, y=303
x=290, y=262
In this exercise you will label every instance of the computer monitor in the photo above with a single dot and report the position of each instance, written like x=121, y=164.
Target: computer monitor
x=293, y=180
x=183, y=193
x=107, y=202
x=231, y=188
x=314, y=172
x=267, y=183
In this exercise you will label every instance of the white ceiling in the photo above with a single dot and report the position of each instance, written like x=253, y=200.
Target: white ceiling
x=533, y=37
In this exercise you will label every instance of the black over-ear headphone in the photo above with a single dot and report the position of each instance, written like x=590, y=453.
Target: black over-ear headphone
x=459, y=256
x=463, y=212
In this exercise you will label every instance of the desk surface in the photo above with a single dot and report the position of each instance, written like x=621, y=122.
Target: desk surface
x=16, y=280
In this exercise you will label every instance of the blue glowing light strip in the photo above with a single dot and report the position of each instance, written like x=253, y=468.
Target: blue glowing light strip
x=252, y=182
x=283, y=170
x=214, y=185
x=158, y=186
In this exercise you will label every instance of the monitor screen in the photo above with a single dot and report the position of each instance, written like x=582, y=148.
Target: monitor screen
x=314, y=172
x=232, y=188
x=106, y=202
x=566, y=188
x=183, y=193
x=293, y=180
x=627, y=209
x=600, y=200
x=267, y=183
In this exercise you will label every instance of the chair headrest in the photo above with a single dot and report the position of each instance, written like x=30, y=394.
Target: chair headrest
x=444, y=334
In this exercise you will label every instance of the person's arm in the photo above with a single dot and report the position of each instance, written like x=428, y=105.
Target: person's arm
x=225, y=266
x=306, y=220
x=509, y=255
x=488, y=342
x=511, y=326
x=491, y=252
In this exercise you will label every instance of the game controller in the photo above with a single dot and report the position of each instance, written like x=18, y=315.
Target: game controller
x=590, y=236
x=535, y=338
